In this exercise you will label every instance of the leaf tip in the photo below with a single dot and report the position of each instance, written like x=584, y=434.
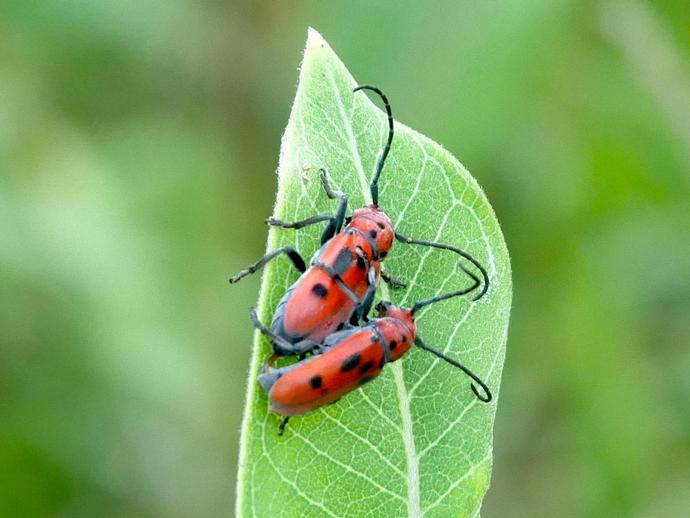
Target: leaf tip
x=316, y=44
x=314, y=37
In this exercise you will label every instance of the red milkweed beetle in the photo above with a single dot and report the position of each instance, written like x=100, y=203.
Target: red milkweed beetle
x=350, y=358
x=340, y=284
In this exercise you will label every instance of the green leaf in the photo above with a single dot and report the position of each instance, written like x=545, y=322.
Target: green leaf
x=415, y=441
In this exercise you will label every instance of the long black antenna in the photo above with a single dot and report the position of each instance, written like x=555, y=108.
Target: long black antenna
x=445, y=296
x=488, y=397
x=379, y=166
x=443, y=246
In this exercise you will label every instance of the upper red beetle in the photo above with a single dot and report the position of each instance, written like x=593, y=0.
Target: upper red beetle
x=339, y=286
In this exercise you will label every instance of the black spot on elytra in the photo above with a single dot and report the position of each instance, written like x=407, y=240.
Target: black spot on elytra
x=319, y=290
x=351, y=362
x=364, y=368
x=315, y=382
x=373, y=234
x=393, y=345
x=381, y=225
x=365, y=379
x=404, y=338
x=360, y=262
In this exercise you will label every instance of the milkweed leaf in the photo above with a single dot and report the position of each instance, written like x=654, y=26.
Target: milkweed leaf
x=415, y=441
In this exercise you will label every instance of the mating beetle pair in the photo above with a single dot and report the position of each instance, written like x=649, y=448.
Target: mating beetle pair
x=325, y=312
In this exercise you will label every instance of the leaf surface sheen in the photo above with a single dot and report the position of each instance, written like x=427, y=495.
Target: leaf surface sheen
x=414, y=442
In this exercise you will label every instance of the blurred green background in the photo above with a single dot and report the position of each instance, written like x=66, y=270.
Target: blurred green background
x=138, y=144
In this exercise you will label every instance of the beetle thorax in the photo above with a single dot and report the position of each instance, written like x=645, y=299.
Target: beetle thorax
x=397, y=327
x=375, y=224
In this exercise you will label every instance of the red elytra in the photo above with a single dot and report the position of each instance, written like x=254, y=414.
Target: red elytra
x=319, y=303
x=340, y=284
x=352, y=358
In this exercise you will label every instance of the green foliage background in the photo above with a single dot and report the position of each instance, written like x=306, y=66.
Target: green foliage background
x=138, y=142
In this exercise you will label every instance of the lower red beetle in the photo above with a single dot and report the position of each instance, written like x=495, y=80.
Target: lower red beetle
x=350, y=358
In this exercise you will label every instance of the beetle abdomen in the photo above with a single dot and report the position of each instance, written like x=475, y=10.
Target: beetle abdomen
x=324, y=378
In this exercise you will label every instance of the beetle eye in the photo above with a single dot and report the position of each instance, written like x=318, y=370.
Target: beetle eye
x=382, y=307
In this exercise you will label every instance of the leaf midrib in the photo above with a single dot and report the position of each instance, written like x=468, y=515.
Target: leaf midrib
x=411, y=459
x=405, y=397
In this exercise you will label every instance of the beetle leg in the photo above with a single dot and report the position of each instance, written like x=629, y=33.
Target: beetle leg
x=336, y=224
x=291, y=253
x=300, y=348
x=278, y=342
x=281, y=427
x=271, y=360
x=299, y=224
x=394, y=283
x=281, y=347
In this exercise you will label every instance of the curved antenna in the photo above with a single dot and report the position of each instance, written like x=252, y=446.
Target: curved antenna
x=487, y=393
x=433, y=300
x=462, y=253
x=374, y=187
